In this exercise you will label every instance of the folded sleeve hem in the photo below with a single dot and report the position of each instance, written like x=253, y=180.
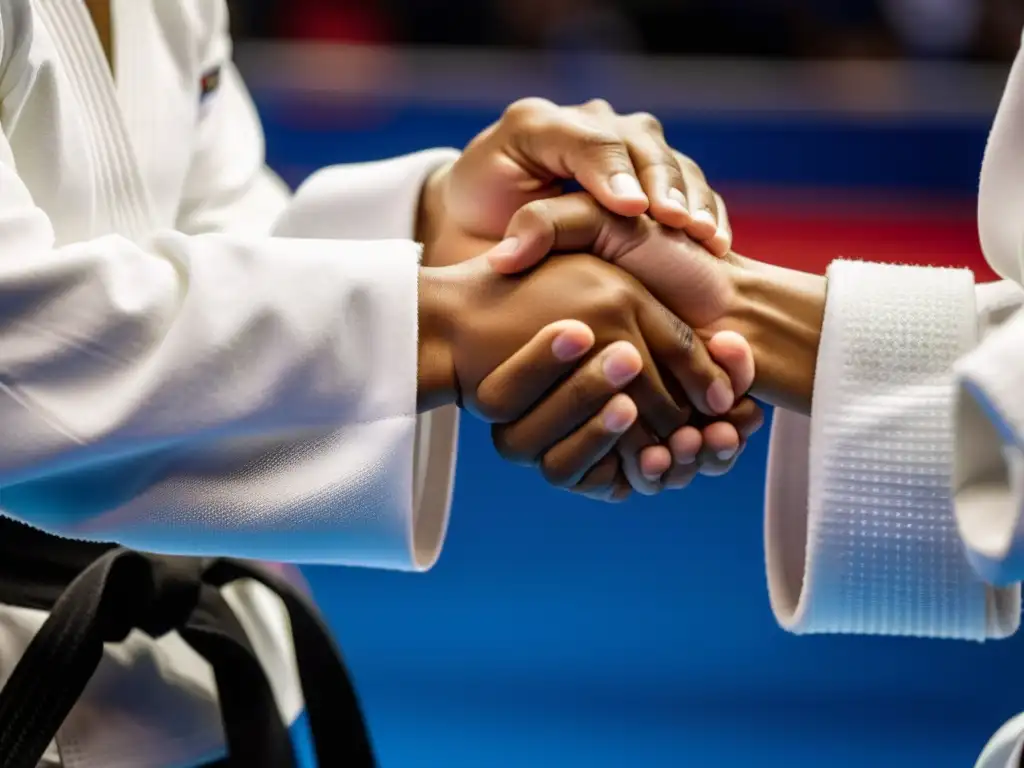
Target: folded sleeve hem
x=437, y=437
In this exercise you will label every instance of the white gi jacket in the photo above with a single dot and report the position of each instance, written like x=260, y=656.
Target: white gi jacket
x=177, y=372
x=897, y=505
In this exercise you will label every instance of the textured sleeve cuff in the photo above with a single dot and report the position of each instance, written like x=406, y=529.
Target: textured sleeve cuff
x=989, y=476
x=862, y=537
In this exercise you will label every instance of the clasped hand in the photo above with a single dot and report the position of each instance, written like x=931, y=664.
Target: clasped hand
x=583, y=371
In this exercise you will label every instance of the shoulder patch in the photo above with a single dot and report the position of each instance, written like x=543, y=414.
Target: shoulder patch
x=209, y=83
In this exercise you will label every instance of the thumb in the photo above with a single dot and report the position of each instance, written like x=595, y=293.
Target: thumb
x=567, y=223
x=733, y=353
x=506, y=257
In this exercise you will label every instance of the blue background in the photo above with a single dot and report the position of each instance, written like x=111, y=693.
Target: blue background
x=560, y=632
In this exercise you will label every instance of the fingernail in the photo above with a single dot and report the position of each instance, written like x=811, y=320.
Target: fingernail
x=653, y=477
x=569, y=346
x=720, y=397
x=675, y=206
x=625, y=185
x=726, y=454
x=718, y=242
x=678, y=198
x=706, y=216
x=620, y=368
x=685, y=459
x=617, y=420
x=504, y=250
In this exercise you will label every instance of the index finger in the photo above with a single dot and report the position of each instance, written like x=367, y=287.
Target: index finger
x=576, y=143
x=508, y=391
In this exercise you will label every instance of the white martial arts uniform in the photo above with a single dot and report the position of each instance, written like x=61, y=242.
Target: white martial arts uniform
x=897, y=504
x=176, y=379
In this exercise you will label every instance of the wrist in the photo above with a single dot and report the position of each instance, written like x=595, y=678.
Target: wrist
x=430, y=213
x=436, y=382
x=780, y=312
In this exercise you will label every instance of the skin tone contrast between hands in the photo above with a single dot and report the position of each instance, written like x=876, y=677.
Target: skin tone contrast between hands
x=778, y=311
x=577, y=357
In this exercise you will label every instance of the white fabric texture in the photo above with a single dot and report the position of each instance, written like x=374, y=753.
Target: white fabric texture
x=909, y=469
x=246, y=385
x=880, y=553
x=896, y=507
x=174, y=378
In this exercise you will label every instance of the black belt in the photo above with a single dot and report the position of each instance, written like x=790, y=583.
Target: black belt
x=97, y=594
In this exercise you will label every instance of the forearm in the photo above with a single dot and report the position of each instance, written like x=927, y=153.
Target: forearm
x=780, y=312
x=430, y=214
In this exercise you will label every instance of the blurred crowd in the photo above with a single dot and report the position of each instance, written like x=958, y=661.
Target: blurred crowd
x=956, y=29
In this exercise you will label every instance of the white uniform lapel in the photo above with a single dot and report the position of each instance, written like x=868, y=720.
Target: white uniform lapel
x=120, y=183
